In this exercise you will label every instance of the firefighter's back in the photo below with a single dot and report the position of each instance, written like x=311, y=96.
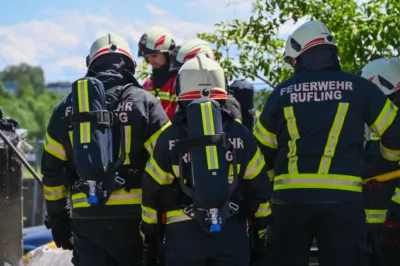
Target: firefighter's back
x=321, y=122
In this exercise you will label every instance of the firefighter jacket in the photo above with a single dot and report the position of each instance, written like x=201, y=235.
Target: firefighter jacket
x=377, y=199
x=161, y=178
x=143, y=120
x=161, y=84
x=311, y=132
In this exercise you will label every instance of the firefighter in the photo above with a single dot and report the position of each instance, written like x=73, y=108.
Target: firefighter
x=210, y=192
x=155, y=45
x=311, y=133
x=190, y=49
x=385, y=73
x=244, y=92
x=105, y=234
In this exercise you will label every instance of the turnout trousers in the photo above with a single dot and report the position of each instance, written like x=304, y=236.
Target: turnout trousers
x=382, y=256
x=187, y=244
x=107, y=242
x=339, y=229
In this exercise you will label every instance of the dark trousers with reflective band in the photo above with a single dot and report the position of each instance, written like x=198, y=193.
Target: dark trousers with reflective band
x=187, y=244
x=382, y=256
x=107, y=242
x=339, y=230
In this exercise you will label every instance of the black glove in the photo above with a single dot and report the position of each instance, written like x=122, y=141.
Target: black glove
x=61, y=229
x=390, y=235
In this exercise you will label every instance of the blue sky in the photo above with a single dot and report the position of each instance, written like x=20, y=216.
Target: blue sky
x=57, y=34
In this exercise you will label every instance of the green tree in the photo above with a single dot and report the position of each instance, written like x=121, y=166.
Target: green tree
x=363, y=31
x=143, y=71
x=34, y=74
x=24, y=87
x=30, y=107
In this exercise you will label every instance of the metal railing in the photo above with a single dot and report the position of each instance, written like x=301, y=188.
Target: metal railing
x=34, y=159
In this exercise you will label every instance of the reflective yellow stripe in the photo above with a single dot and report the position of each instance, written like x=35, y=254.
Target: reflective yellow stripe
x=390, y=155
x=122, y=197
x=238, y=120
x=175, y=169
x=385, y=118
x=209, y=129
x=177, y=216
x=118, y=197
x=149, y=215
x=160, y=176
x=165, y=96
x=375, y=216
x=262, y=232
x=128, y=143
x=333, y=138
x=71, y=137
x=271, y=175
x=255, y=166
x=151, y=142
x=264, y=136
x=83, y=105
x=396, y=196
x=55, y=193
x=294, y=136
x=79, y=200
x=318, y=181
x=54, y=148
x=264, y=210
x=231, y=178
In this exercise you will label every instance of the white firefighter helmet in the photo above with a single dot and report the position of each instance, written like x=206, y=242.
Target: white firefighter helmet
x=188, y=50
x=385, y=73
x=201, y=77
x=156, y=40
x=308, y=35
x=107, y=44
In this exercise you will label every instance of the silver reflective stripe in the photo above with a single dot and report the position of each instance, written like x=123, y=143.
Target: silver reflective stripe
x=80, y=200
x=158, y=174
x=209, y=127
x=395, y=155
x=376, y=216
x=382, y=124
x=333, y=137
x=264, y=209
x=316, y=180
x=255, y=166
x=55, y=193
x=266, y=138
x=125, y=196
x=178, y=218
x=396, y=195
x=149, y=215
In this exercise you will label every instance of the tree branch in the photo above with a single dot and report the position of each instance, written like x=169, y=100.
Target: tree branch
x=266, y=81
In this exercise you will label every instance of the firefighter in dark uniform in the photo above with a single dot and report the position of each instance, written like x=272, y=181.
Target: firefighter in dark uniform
x=189, y=49
x=385, y=73
x=155, y=46
x=311, y=132
x=169, y=175
x=108, y=234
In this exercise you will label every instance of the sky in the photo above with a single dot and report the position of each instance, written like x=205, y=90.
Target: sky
x=57, y=35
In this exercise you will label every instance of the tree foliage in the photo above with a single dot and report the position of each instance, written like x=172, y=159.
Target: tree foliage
x=363, y=31
x=32, y=105
x=32, y=74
